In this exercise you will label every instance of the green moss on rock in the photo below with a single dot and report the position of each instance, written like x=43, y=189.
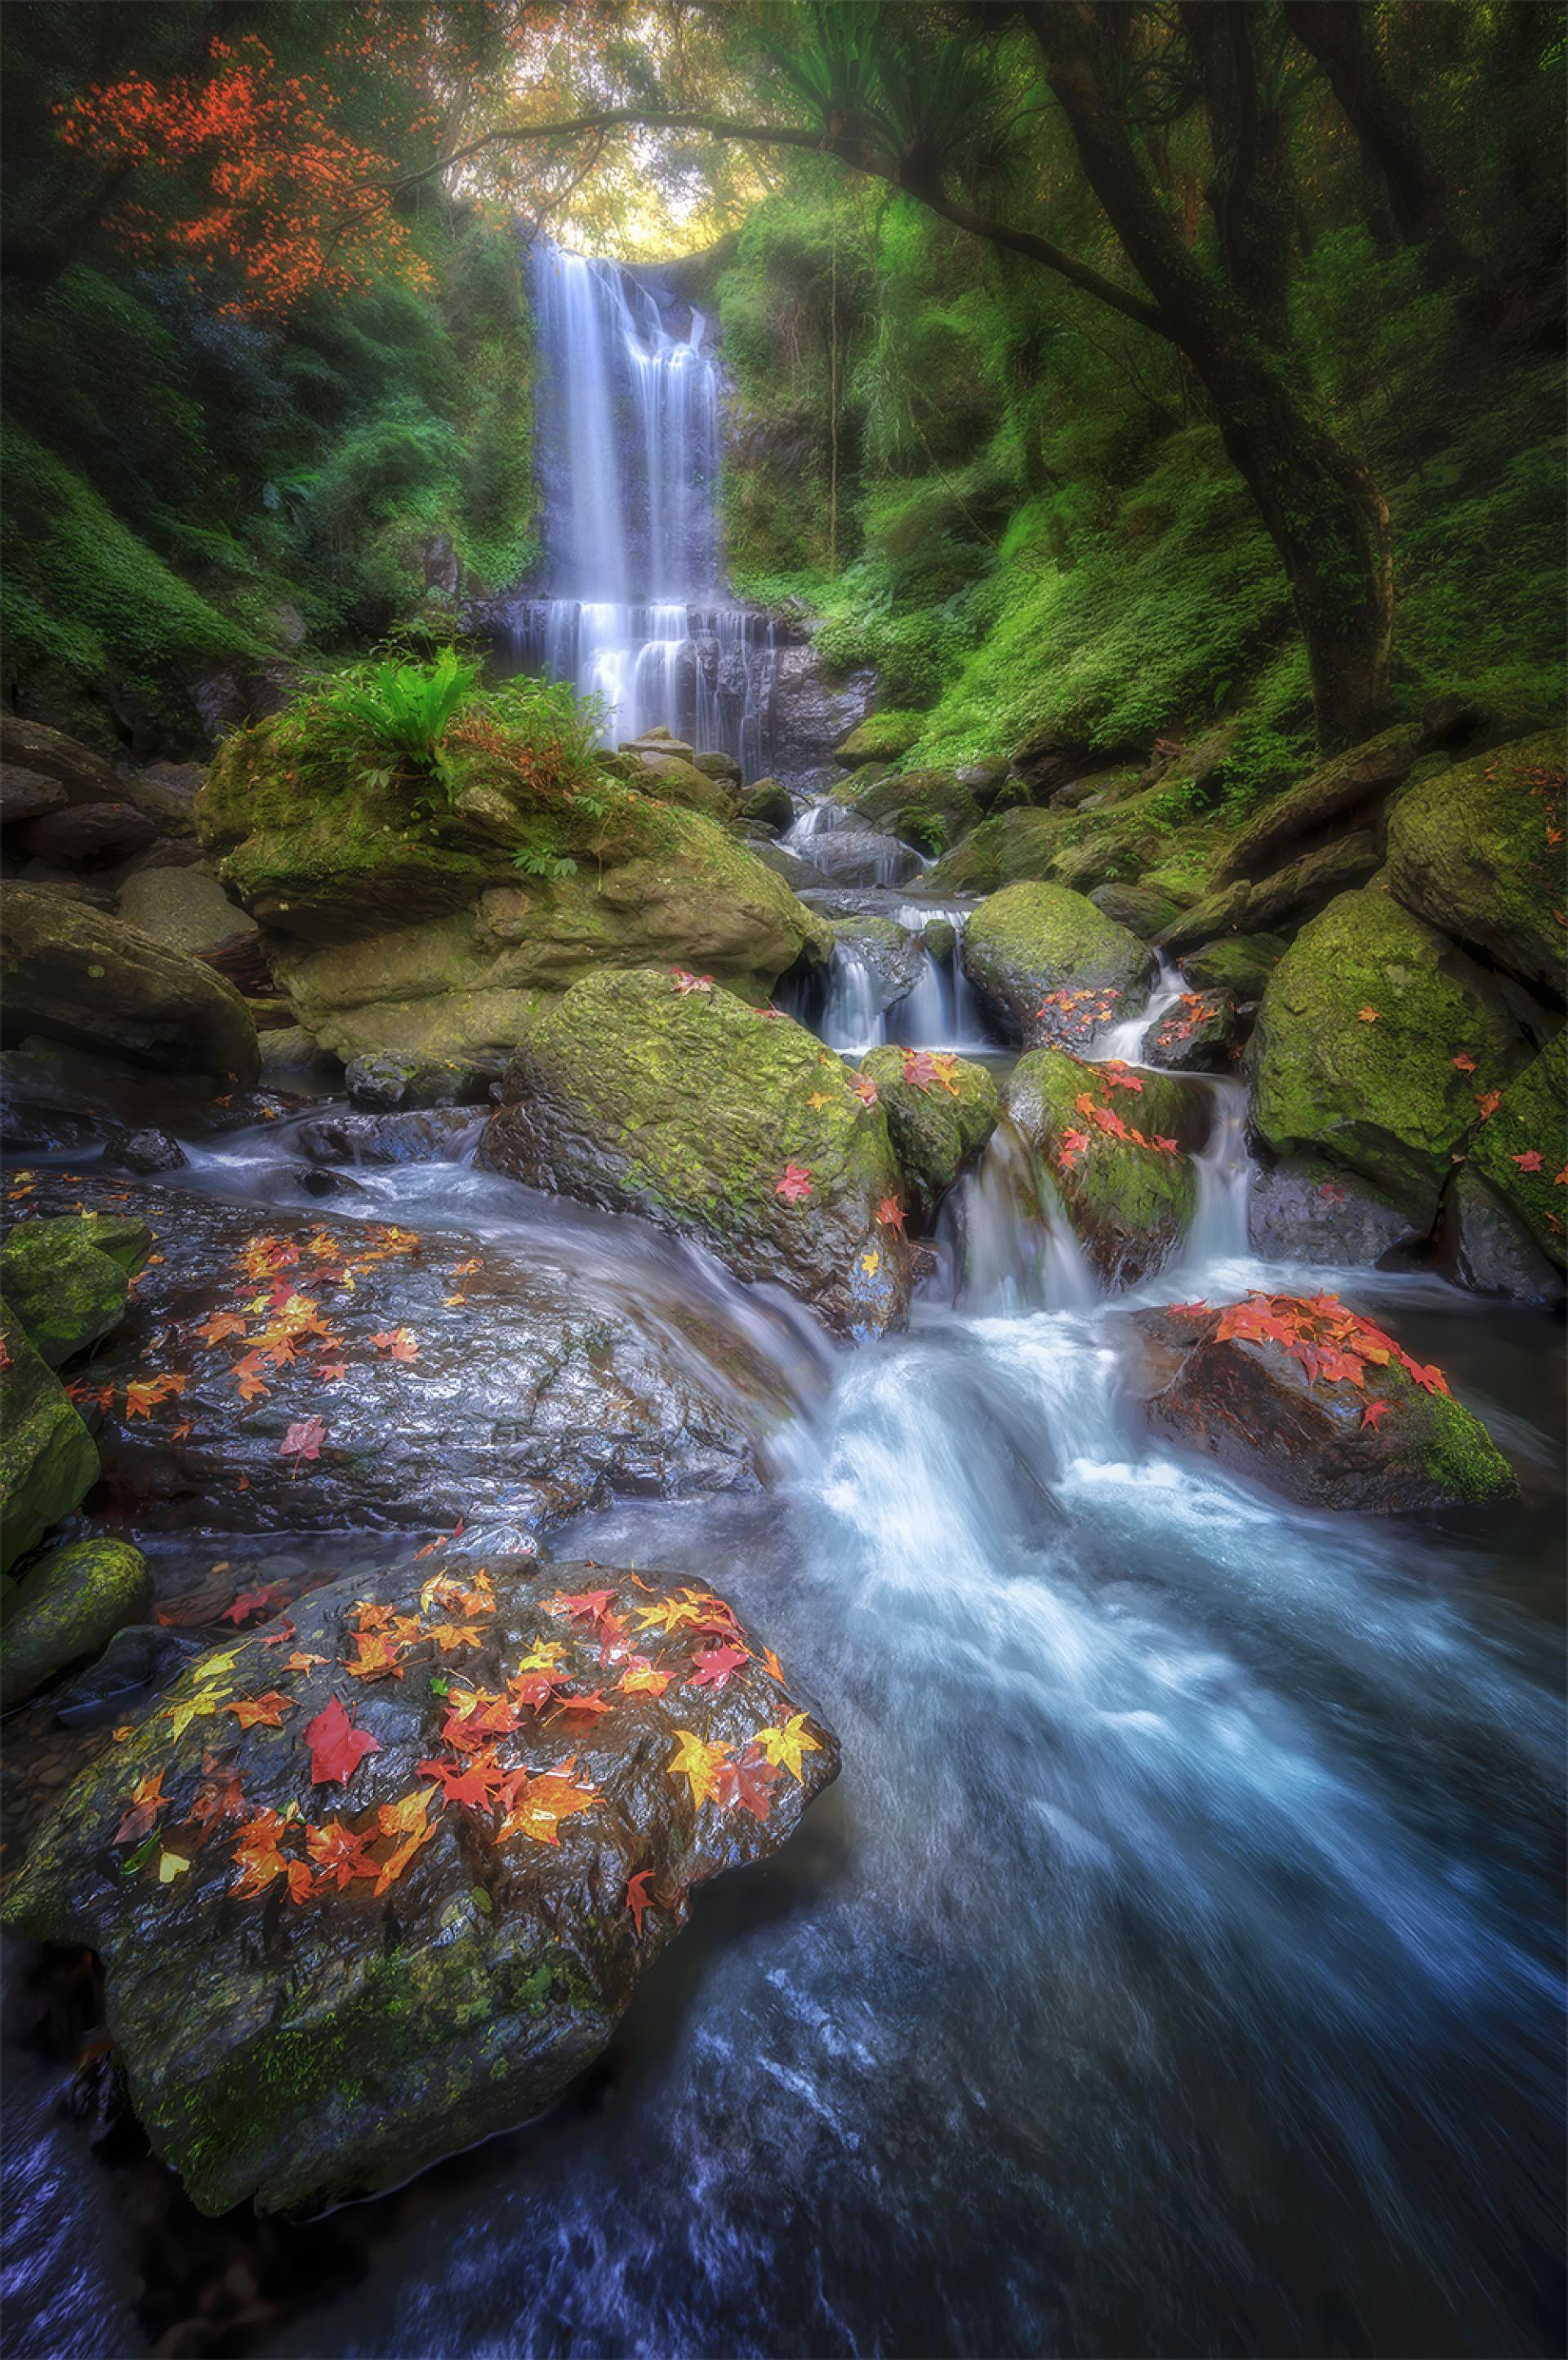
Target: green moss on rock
x=935, y=1126
x=881, y=738
x=1531, y=1122
x=1239, y=964
x=690, y=1107
x=69, y=1605
x=1035, y=943
x=1471, y=851
x=66, y=1279
x=1378, y=1092
x=48, y=1460
x=1130, y=1204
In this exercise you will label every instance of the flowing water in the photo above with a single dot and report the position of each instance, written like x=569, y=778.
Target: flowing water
x=635, y=606
x=1175, y=1966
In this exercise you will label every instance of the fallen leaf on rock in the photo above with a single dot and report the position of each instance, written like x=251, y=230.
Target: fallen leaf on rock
x=865, y=1089
x=1463, y=1062
x=636, y=1899
x=717, y=1666
x=1366, y=1015
x=400, y=1342
x=220, y=1323
x=147, y=1799
x=340, y=1855
x=1488, y=1101
x=376, y=1656
x=698, y=1762
x=269, y=1710
x=890, y=1213
x=784, y=1747
x=337, y=1747
x=1529, y=1161
x=641, y=1678
x=171, y=1865
x=1373, y=1413
x=303, y=1440
x=796, y=1185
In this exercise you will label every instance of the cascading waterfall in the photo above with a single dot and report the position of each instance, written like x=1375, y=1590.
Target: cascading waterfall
x=848, y=1006
x=635, y=606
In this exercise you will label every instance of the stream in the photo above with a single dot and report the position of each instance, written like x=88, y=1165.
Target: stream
x=1175, y=1965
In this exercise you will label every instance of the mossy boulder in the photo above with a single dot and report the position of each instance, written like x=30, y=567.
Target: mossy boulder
x=1352, y=1055
x=1521, y=1152
x=881, y=738
x=1117, y=1145
x=1050, y=966
x=648, y=1093
x=320, y=1984
x=930, y=810
x=1338, y=794
x=1272, y=1408
x=1283, y=899
x=768, y=801
x=1239, y=964
x=671, y=778
x=69, y=1603
x=1200, y=1034
x=1141, y=910
x=894, y=954
x=1477, y=852
x=71, y=973
x=1079, y=849
x=941, y=1111
x=418, y=933
x=66, y=1280
x=48, y=1462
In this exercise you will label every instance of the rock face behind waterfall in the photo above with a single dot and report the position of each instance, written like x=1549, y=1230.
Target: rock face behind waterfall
x=417, y=931
x=365, y=1896
x=448, y=1378
x=1316, y=1403
x=664, y=1095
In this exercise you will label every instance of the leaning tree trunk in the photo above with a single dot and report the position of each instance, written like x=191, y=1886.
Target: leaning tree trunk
x=1317, y=501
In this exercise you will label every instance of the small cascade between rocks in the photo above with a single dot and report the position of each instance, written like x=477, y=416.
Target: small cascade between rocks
x=853, y=1007
x=635, y=606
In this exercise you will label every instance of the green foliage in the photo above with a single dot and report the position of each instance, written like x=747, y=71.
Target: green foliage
x=398, y=710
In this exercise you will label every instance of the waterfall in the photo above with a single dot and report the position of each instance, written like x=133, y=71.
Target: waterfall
x=634, y=604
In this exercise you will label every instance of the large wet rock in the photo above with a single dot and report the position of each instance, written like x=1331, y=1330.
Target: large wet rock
x=1303, y=1209
x=82, y=776
x=70, y=974
x=1141, y=910
x=768, y=801
x=1051, y=968
x=1239, y=964
x=1200, y=1034
x=941, y=1111
x=880, y=738
x=664, y=1095
x=428, y=934
x=90, y=835
x=67, y=1280
x=425, y=1136
x=853, y=856
x=188, y=908
x=47, y=1463
x=931, y=810
x=1376, y=1044
x=1283, y=899
x=1520, y=1150
x=1118, y=1147
x=895, y=955
x=1476, y=851
x=1340, y=793
x=353, y=1919
x=1483, y=1244
x=448, y=1378
x=1317, y=1404
x=69, y=1605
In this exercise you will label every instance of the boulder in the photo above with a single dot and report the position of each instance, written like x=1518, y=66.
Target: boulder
x=85, y=776
x=1116, y=1146
x=1142, y=912
x=1483, y=1244
x=1475, y=852
x=1201, y=1034
x=382, y=1917
x=166, y=792
x=68, y=1281
x=188, y=908
x=47, y=1463
x=1303, y=1209
x=880, y=738
x=26, y=794
x=438, y=933
x=797, y=874
x=1079, y=849
x=145, y=1151
x=1521, y=1151
x=379, y=1085
x=1300, y=890
x=1050, y=966
x=293, y=1061
x=84, y=835
x=941, y=1110
x=768, y=801
x=671, y=778
x=930, y=810
x=659, y=741
x=72, y=974
x=1239, y=964
x=571, y=1400
x=895, y=955
x=851, y=856
x=1344, y=789
x=664, y=1095
x=1354, y=1049
x=1317, y=1404
x=69, y=1605
x=724, y=767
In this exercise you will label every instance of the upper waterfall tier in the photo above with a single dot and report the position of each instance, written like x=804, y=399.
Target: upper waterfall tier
x=628, y=437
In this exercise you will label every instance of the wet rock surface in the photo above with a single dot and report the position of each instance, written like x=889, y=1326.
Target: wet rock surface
x=1201, y=1034
x=68, y=1605
x=665, y=1095
x=420, y=1136
x=1305, y=1208
x=941, y=1111
x=1316, y=1403
x=447, y=1380
x=374, y=1882
x=1117, y=1147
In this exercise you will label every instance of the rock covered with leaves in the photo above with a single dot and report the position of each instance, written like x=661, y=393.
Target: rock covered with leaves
x=1306, y=1396
x=1050, y=966
x=941, y=1111
x=662, y=1095
x=1117, y=1145
x=376, y=1880
x=312, y=1375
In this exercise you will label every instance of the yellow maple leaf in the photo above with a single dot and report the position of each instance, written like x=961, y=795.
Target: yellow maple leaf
x=785, y=1746
x=698, y=1761
x=171, y=1865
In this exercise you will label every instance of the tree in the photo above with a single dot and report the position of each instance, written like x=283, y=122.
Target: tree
x=889, y=101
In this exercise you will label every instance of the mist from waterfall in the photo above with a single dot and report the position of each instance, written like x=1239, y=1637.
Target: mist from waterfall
x=635, y=606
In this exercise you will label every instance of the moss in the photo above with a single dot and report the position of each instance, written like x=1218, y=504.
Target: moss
x=63, y=1285
x=937, y=1126
x=48, y=1459
x=1459, y=1454
x=1241, y=964
x=1378, y=1092
x=1032, y=940
x=1129, y=1206
x=1532, y=1120
x=69, y=1605
x=1471, y=851
x=881, y=738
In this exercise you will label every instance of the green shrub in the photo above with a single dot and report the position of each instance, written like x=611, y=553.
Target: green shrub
x=398, y=713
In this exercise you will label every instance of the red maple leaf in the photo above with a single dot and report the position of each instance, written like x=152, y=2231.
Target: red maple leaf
x=796, y=1185
x=890, y=1213
x=637, y=1898
x=686, y=982
x=746, y=1785
x=400, y=1342
x=254, y=1601
x=475, y=1783
x=919, y=1068
x=267, y=1710
x=337, y=1747
x=1529, y=1161
x=1488, y=1101
x=303, y=1440
x=339, y=1854
x=147, y=1799
x=1373, y=1413
x=1463, y=1062
x=717, y=1666
x=586, y=1606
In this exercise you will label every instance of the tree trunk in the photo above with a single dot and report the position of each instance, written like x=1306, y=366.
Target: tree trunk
x=1336, y=32
x=1320, y=505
